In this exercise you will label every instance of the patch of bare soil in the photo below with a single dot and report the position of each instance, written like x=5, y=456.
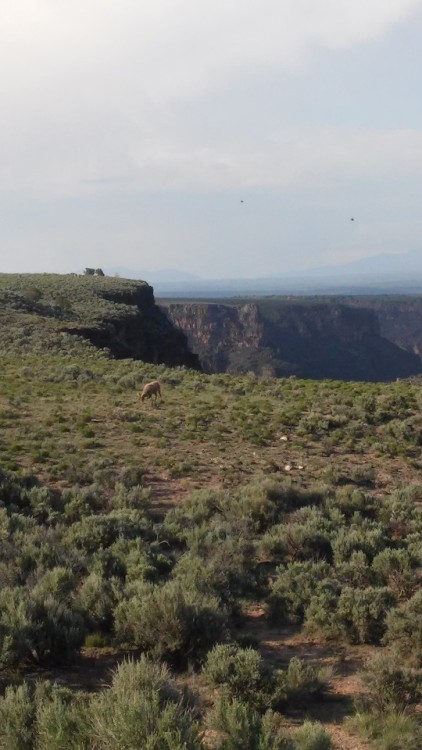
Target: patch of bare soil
x=280, y=644
x=166, y=493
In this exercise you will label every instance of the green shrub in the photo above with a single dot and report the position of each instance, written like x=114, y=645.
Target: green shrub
x=61, y=720
x=142, y=709
x=402, y=511
x=17, y=715
x=97, y=598
x=81, y=501
x=388, y=731
x=306, y=536
x=362, y=613
x=311, y=736
x=57, y=629
x=242, y=728
x=395, y=568
x=302, y=680
x=131, y=496
x=368, y=538
x=142, y=560
x=356, y=571
x=106, y=564
x=96, y=640
x=220, y=563
x=171, y=622
x=131, y=476
x=404, y=630
x=15, y=627
x=101, y=531
x=321, y=618
x=43, y=716
x=256, y=507
x=349, y=500
x=241, y=672
x=391, y=686
x=59, y=582
x=294, y=588
x=243, y=676
x=199, y=507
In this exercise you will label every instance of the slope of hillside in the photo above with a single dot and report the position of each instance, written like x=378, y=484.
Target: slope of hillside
x=237, y=564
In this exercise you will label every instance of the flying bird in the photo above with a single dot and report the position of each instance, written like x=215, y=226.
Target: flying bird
x=352, y=219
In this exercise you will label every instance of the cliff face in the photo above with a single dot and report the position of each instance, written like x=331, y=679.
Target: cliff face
x=278, y=337
x=136, y=327
x=217, y=332
x=400, y=320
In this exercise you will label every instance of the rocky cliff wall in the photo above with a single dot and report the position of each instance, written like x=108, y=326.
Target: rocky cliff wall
x=135, y=327
x=308, y=339
x=216, y=333
x=400, y=320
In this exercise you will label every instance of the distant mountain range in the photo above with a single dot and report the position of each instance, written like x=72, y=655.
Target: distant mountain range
x=382, y=264
x=385, y=273
x=164, y=275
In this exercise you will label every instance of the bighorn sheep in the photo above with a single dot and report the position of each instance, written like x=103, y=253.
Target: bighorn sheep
x=151, y=389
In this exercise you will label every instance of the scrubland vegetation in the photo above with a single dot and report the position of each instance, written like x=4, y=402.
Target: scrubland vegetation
x=208, y=572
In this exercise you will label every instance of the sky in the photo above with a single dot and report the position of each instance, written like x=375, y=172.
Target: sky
x=223, y=138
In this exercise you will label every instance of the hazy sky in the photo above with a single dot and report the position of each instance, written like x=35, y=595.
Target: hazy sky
x=225, y=138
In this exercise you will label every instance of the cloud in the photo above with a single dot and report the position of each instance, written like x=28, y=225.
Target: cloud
x=96, y=92
x=166, y=50
x=108, y=53
x=291, y=157
x=288, y=158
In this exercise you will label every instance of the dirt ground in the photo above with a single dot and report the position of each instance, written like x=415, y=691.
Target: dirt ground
x=93, y=670
x=280, y=644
